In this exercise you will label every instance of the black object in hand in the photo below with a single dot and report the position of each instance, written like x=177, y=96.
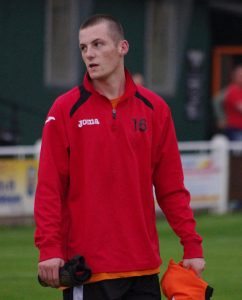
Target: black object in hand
x=74, y=273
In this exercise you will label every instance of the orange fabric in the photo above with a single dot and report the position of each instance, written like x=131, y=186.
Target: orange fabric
x=115, y=102
x=105, y=276
x=179, y=283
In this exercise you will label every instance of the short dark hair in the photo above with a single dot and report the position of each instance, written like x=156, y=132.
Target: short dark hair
x=115, y=26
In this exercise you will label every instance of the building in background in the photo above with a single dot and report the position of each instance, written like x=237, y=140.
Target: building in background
x=172, y=44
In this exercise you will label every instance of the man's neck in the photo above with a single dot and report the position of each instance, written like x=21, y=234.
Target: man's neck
x=112, y=87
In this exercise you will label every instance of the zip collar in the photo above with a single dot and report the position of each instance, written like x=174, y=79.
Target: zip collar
x=130, y=87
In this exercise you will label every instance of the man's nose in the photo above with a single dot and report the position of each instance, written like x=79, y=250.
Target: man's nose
x=90, y=53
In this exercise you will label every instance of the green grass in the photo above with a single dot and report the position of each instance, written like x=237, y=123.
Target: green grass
x=222, y=245
x=18, y=267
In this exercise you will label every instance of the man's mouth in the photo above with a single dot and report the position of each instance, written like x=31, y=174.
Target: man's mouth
x=92, y=65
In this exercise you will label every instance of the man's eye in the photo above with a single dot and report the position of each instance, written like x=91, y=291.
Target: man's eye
x=97, y=44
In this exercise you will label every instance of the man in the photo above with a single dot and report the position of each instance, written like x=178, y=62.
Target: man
x=233, y=106
x=104, y=145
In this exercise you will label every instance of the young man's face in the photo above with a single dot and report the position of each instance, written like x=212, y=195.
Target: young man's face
x=101, y=53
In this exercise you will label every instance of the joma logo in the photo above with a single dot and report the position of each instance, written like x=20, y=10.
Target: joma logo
x=88, y=122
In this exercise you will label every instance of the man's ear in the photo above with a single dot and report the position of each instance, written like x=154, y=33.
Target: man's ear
x=123, y=47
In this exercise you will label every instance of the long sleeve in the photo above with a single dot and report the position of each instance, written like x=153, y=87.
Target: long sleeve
x=52, y=187
x=172, y=196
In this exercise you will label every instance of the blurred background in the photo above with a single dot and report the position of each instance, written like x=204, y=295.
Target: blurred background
x=185, y=50
x=172, y=42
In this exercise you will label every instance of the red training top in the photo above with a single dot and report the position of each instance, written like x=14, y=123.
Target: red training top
x=97, y=166
x=232, y=99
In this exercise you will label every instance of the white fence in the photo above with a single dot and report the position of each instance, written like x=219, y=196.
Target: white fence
x=205, y=164
x=206, y=172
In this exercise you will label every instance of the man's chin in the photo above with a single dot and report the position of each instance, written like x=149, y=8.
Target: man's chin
x=93, y=75
x=96, y=76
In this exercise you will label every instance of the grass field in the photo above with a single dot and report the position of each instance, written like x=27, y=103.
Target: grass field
x=222, y=243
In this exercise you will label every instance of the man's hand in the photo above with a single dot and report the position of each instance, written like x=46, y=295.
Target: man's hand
x=197, y=264
x=48, y=271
